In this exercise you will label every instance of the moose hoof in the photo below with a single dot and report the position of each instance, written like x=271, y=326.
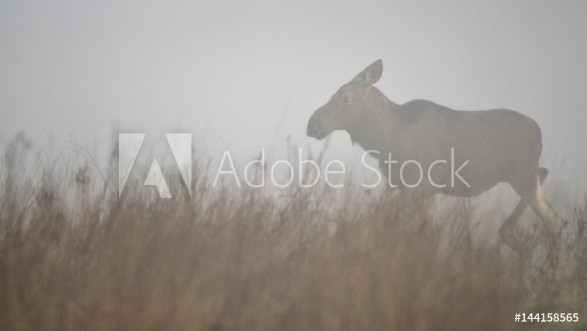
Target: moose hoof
x=510, y=240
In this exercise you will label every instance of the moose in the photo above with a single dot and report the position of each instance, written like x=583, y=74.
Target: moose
x=500, y=145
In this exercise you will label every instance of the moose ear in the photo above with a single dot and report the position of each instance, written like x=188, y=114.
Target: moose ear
x=370, y=75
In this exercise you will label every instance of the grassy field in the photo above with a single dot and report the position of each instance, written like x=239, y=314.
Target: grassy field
x=76, y=256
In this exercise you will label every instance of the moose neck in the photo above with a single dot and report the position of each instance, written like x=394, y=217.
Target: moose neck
x=374, y=130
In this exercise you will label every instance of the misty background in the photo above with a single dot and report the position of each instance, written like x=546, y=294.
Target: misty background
x=245, y=75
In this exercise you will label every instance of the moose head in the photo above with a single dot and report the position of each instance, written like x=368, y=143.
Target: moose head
x=347, y=105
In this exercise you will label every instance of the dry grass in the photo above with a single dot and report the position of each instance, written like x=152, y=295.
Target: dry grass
x=74, y=256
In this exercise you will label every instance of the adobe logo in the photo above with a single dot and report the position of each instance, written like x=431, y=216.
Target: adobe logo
x=129, y=145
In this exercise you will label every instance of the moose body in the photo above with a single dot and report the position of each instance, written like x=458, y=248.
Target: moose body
x=497, y=145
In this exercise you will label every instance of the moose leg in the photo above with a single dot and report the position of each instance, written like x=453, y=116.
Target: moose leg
x=544, y=210
x=506, y=231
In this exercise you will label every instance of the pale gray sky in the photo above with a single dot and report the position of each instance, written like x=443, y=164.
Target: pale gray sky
x=230, y=69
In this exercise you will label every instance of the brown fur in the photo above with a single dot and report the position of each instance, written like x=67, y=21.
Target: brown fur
x=501, y=145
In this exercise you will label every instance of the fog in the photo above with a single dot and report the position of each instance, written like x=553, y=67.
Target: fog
x=244, y=75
